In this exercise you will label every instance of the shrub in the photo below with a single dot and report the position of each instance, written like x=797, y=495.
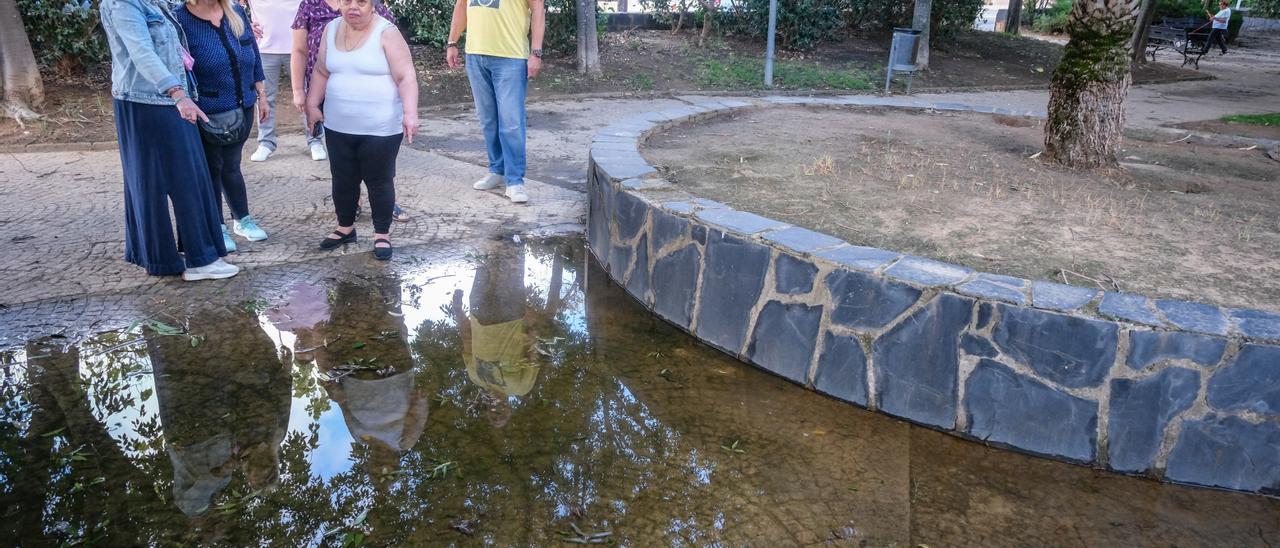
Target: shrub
x=951, y=17
x=802, y=24
x=426, y=21
x=65, y=34
x=1053, y=19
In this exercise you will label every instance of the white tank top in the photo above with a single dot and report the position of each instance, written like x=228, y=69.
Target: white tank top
x=361, y=97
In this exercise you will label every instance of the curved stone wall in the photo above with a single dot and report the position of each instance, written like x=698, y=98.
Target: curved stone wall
x=1174, y=390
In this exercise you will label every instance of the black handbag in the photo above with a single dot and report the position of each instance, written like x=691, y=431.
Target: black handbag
x=225, y=128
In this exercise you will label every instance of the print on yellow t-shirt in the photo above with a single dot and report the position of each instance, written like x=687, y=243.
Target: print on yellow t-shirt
x=498, y=27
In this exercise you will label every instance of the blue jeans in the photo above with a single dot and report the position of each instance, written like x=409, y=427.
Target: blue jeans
x=499, y=85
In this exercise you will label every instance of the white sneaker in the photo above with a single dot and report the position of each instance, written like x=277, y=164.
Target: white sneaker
x=489, y=182
x=318, y=153
x=261, y=154
x=216, y=270
x=517, y=194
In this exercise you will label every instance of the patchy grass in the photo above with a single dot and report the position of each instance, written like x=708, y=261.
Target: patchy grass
x=738, y=72
x=1271, y=120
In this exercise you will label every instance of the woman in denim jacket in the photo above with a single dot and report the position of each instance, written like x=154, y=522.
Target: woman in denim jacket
x=160, y=147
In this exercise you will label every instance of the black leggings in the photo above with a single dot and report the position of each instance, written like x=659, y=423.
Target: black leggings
x=224, y=169
x=368, y=158
x=1217, y=37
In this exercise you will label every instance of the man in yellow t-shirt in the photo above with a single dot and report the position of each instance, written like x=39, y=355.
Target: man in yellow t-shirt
x=504, y=50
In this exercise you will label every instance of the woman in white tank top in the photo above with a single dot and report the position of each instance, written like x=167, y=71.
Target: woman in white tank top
x=365, y=80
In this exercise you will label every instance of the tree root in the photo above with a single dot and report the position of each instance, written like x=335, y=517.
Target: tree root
x=19, y=112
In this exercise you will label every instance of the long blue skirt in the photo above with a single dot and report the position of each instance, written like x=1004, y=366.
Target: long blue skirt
x=164, y=164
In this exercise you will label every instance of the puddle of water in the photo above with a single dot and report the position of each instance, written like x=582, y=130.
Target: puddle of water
x=514, y=398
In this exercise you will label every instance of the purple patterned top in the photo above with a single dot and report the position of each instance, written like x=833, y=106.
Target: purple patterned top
x=313, y=15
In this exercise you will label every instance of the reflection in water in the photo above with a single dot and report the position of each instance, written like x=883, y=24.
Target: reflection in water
x=554, y=402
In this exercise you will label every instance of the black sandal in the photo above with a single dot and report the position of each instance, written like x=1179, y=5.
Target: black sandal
x=342, y=239
x=382, y=253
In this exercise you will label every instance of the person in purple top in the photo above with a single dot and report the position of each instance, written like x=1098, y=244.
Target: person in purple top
x=308, y=33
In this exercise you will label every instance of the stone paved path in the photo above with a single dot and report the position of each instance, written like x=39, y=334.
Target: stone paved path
x=61, y=218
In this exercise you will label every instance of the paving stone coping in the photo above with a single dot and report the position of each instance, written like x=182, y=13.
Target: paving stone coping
x=1177, y=391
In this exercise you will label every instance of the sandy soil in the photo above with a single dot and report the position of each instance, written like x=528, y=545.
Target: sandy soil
x=1176, y=220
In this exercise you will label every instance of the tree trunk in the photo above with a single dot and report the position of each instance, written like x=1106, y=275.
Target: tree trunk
x=920, y=22
x=1087, y=91
x=1142, y=31
x=1013, y=17
x=19, y=73
x=708, y=20
x=588, y=42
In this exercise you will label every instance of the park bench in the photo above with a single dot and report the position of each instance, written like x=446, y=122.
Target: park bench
x=1185, y=35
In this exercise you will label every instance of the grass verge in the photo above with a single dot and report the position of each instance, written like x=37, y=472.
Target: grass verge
x=737, y=72
x=1272, y=119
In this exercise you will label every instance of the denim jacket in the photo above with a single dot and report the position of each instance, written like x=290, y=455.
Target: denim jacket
x=145, y=56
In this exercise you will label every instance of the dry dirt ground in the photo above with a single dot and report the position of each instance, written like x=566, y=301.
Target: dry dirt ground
x=78, y=108
x=1176, y=220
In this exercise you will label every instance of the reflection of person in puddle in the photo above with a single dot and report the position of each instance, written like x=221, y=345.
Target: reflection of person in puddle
x=495, y=345
x=224, y=404
x=362, y=349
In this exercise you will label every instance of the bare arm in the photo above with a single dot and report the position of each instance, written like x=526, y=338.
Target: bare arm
x=402, y=71
x=537, y=28
x=456, y=27
x=319, y=80
x=298, y=67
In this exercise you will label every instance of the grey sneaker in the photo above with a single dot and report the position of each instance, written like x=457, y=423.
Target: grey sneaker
x=216, y=270
x=517, y=194
x=489, y=182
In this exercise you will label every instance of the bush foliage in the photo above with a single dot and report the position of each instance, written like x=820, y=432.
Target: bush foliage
x=65, y=34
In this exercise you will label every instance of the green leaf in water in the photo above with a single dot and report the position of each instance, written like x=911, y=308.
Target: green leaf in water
x=357, y=346
x=353, y=539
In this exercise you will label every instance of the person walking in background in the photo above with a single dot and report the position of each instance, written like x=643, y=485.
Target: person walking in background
x=230, y=82
x=504, y=50
x=365, y=78
x=1221, y=20
x=274, y=18
x=308, y=35
x=160, y=148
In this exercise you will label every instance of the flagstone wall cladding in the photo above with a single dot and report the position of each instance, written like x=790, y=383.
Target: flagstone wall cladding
x=1178, y=391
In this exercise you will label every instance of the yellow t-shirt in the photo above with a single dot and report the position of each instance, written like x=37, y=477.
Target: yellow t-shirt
x=498, y=27
x=498, y=359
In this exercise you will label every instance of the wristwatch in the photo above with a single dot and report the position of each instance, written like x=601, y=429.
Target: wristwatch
x=451, y=44
x=537, y=52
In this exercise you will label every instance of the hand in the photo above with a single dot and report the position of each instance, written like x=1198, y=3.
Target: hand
x=264, y=109
x=410, y=127
x=314, y=116
x=300, y=101
x=451, y=57
x=257, y=30
x=188, y=110
x=535, y=66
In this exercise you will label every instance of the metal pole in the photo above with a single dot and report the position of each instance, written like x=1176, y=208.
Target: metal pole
x=768, y=56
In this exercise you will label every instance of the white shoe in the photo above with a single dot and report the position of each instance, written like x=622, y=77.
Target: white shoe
x=517, y=194
x=261, y=154
x=489, y=182
x=318, y=153
x=216, y=270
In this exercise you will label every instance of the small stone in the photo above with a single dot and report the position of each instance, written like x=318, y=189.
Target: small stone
x=1150, y=347
x=1071, y=351
x=1251, y=382
x=1228, y=452
x=1140, y=412
x=784, y=339
x=1005, y=407
x=997, y=287
x=928, y=272
x=1060, y=297
x=802, y=240
x=739, y=221
x=842, y=369
x=866, y=259
x=1134, y=308
x=793, y=276
x=917, y=363
x=1197, y=317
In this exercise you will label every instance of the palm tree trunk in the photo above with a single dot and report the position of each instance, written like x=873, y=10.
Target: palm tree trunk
x=19, y=73
x=1087, y=91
